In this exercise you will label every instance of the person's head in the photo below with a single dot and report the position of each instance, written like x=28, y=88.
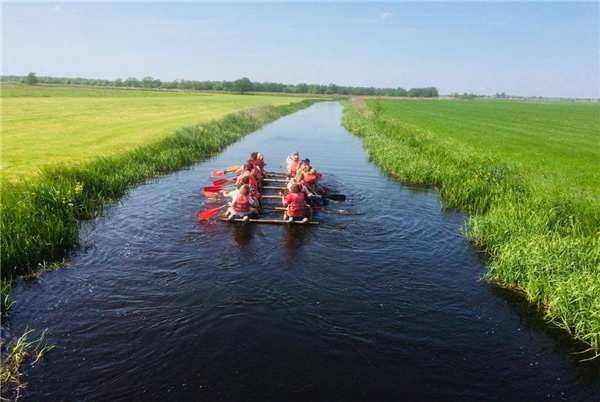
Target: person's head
x=239, y=184
x=295, y=155
x=254, y=155
x=306, y=162
x=296, y=188
x=245, y=189
x=259, y=155
x=299, y=177
x=312, y=172
x=249, y=166
x=245, y=180
x=246, y=173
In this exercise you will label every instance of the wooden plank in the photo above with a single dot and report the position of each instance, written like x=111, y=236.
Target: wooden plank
x=270, y=221
x=273, y=188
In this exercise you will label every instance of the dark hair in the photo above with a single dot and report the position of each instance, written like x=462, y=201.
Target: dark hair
x=296, y=188
x=245, y=180
x=254, y=155
x=306, y=161
x=249, y=166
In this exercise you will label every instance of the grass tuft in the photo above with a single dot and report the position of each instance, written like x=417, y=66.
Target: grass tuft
x=17, y=354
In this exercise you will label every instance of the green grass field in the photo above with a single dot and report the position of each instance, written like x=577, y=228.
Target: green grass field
x=46, y=125
x=526, y=173
x=561, y=140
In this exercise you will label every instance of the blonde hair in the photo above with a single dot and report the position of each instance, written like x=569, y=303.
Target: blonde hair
x=245, y=189
x=312, y=171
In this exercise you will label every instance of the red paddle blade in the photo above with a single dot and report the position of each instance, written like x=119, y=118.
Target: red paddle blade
x=217, y=173
x=208, y=214
x=209, y=194
x=319, y=176
x=220, y=181
x=213, y=189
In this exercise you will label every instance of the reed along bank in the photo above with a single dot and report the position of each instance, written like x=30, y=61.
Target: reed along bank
x=541, y=241
x=40, y=215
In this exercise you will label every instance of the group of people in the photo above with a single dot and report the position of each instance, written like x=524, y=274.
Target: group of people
x=300, y=187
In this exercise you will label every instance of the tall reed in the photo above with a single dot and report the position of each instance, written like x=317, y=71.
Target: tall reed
x=40, y=216
x=541, y=241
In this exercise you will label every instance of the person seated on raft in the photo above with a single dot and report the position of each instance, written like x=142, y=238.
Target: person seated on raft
x=242, y=205
x=254, y=194
x=305, y=166
x=259, y=164
x=311, y=181
x=296, y=205
x=298, y=180
x=248, y=173
x=293, y=163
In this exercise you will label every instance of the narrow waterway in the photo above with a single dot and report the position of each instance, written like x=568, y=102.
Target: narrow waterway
x=382, y=301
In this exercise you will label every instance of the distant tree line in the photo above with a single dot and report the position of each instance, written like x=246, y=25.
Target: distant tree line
x=242, y=86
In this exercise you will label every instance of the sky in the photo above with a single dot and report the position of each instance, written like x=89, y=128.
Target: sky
x=545, y=49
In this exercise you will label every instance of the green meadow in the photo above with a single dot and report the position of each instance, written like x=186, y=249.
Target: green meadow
x=45, y=125
x=527, y=174
x=561, y=140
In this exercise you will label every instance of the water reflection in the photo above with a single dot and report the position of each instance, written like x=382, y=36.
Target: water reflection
x=242, y=233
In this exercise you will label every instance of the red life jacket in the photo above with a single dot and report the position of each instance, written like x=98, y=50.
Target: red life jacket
x=309, y=181
x=259, y=163
x=252, y=182
x=294, y=167
x=241, y=203
x=295, y=204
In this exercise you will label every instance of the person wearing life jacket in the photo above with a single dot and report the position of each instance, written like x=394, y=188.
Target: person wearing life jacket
x=309, y=179
x=293, y=164
x=260, y=161
x=298, y=180
x=296, y=205
x=249, y=180
x=260, y=164
x=242, y=205
x=305, y=166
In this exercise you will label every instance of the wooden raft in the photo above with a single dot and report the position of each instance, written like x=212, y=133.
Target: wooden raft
x=270, y=221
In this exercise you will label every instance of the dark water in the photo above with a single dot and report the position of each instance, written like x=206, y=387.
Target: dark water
x=381, y=302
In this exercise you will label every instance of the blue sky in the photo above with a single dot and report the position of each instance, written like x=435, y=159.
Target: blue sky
x=548, y=49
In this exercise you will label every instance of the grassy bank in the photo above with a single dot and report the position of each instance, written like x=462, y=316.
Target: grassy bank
x=46, y=125
x=542, y=235
x=39, y=216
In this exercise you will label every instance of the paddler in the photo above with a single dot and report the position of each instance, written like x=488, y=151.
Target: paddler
x=296, y=205
x=242, y=205
x=305, y=166
x=293, y=164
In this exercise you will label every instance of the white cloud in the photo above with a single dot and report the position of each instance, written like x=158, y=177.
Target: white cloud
x=56, y=8
x=385, y=15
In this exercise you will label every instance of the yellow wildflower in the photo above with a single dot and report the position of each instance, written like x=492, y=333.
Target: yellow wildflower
x=70, y=204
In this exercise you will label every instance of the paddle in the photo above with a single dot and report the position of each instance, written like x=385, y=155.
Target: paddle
x=216, y=189
x=336, y=197
x=222, y=172
x=209, y=213
x=220, y=181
